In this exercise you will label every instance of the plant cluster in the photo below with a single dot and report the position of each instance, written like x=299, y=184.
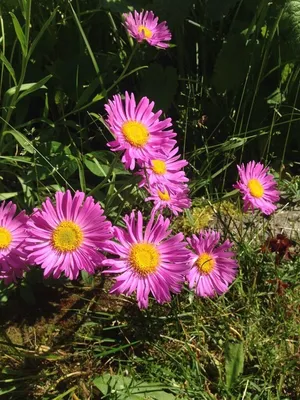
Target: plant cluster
x=72, y=235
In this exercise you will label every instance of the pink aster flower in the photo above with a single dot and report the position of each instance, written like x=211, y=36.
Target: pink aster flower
x=175, y=200
x=149, y=260
x=66, y=237
x=259, y=188
x=144, y=26
x=212, y=265
x=137, y=130
x=12, y=236
x=165, y=170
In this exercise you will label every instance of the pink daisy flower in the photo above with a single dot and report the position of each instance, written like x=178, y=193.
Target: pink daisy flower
x=137, y=130
x=175, y=200
x=144, y=26
x=65, y=237
x=165, y=170
x=149, y=260
x=259, y=188
x=12, y=236
x=212, y=265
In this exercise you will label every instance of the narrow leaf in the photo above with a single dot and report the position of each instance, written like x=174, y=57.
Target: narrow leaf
x=26, y=87
x=5, y=196
x=32, y=87
x=20, y=34
x=81, y=175
x=234, y=362
x=9, y=67
x=22, y=140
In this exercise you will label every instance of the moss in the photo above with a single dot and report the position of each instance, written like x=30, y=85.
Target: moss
x=202, y=215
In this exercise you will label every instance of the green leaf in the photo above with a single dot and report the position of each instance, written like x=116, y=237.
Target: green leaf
x=286, y=72
x=5, y=196
x=107, y=382
x=96, y=168
x=32, y=87
x=234, y=362
x=99, y=163
x=129, y=389
x=20, y=34
x=276, y=98
x=81, y=175
x=53, y=155
x=22, y=140
x=154, y=79
x=291, y=22
x=27, y=88
x=87, y=278
x=9, y=67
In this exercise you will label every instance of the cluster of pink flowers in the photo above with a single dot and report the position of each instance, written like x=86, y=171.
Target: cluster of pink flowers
x=72, y=234
x=148, y=143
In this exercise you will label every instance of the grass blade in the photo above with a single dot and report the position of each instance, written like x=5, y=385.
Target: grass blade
x=20, y=34
x=9, y=67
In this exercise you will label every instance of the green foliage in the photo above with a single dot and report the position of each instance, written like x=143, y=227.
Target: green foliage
x=124, y=388
x=291, y=21
x=230, y=82
x=234, y=362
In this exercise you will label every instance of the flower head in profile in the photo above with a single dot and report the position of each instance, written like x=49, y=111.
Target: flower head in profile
x=258, y=187
x=13, y=256
x=137, y=130
x=148, y=260
x=176, y=199
x=166, y=169
x=66, y=237
x=213, y=267
x=144, y=26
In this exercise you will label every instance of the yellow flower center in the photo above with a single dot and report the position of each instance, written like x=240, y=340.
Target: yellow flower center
x=5, y=238
x=159, y=167
x=205, y=263
x=144, y=258
x=256, y=188
x=163, y=195
x=135, y=133
x=147, y=33
x=67, y=236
